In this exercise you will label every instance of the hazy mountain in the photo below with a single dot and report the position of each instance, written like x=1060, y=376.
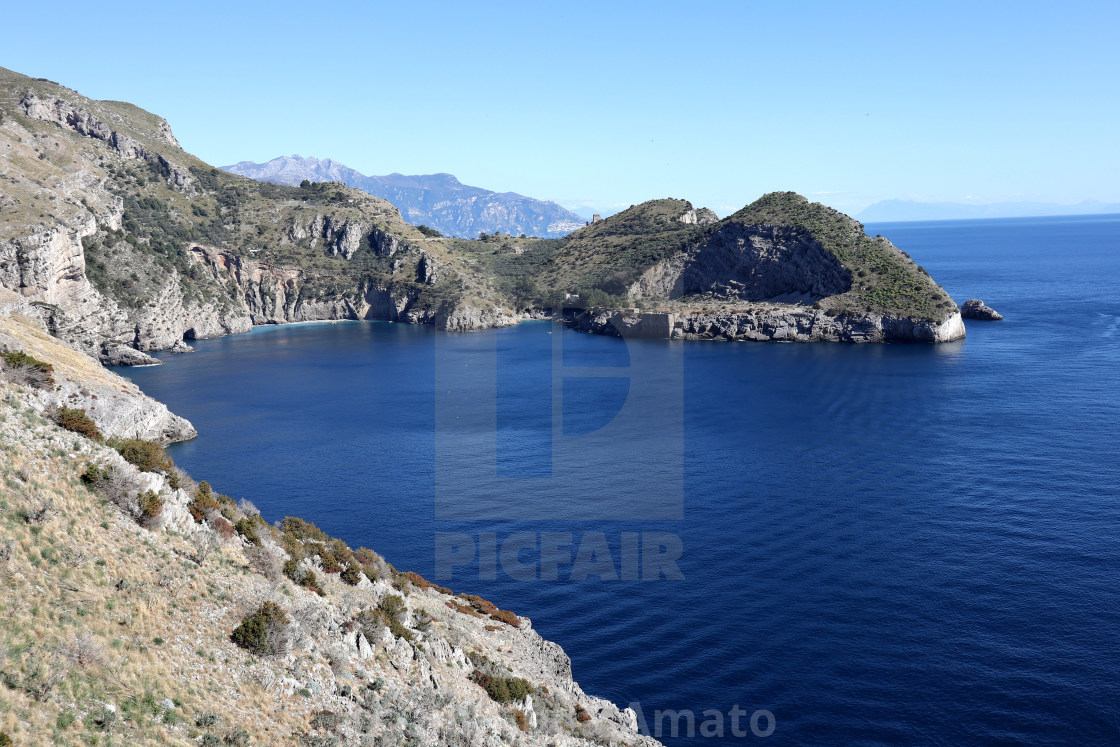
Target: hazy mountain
x=439, y=201
x=903, y=210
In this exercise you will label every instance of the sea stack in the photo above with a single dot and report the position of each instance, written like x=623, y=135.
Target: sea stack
x=974, y=308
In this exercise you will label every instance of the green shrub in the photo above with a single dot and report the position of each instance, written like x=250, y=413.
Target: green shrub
x=391, y=607
x=150, y=504
x=330, y=563
x=5, y=740
x=305, y=578
x=95, y=473
x=247, y=529
x=77, y=421
x=302, y=530
x=263, y=632
x=203, y=503
x=351, y=575
x=502, y=689
x=147, y=456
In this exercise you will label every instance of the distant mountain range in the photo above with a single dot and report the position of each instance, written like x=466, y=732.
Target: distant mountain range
x=904, y=210
x=439, y=201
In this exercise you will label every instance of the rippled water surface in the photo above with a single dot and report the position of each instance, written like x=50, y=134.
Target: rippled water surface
x=881, y=544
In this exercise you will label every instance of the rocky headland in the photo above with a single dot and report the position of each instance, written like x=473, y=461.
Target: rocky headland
x=123, y=244
x=143, y=607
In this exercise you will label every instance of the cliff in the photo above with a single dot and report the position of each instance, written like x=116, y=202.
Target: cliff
x=123, y=243
x=119, y=238
x=142, y=607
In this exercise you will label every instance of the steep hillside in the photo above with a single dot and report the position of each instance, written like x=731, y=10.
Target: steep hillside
x=125, y=243
x=122, y=238
x=781, y=268
x=438, y=201
x=141, y=607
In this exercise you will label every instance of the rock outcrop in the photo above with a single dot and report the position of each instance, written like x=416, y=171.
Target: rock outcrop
x=773, y=324
x=115, y=404
x=367, y=655
x=752, y=263
x=974, y=308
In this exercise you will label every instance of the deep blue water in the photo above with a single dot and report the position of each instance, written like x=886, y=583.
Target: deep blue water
x=881, y=544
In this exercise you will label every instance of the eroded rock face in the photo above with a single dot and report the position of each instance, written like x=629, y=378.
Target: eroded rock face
x=699, y=217
x=115, y=404
x=751, y=263
x=65, y=114
x=777, y=324
x=974, y=308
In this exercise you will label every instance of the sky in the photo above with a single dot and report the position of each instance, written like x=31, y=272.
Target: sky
x=606, y=104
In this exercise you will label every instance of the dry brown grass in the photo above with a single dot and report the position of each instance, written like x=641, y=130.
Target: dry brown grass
x=98, y=610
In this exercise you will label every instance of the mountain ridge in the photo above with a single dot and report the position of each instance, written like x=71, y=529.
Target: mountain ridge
x=439, y=201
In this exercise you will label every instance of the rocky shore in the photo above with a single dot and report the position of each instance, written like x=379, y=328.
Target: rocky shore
x=773, y=324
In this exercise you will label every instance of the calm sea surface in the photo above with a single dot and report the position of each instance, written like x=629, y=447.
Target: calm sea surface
x=880, y=544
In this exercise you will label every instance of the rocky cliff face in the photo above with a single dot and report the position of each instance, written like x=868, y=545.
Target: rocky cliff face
x=775, y=323
x=751, y=263
x=115, y=404
x=370, y=656
x=126, y=244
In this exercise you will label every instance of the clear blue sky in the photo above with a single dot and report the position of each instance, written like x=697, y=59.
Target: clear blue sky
x=614, y=103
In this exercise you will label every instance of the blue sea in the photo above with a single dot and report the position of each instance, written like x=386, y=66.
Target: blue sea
x=903, y=544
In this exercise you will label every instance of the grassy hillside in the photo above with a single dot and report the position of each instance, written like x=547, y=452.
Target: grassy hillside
x=885, y=279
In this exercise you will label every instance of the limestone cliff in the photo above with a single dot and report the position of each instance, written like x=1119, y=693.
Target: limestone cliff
x=115, y=404
x=124, y=242
x=160, y=573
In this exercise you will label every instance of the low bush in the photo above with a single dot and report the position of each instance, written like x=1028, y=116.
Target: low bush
x=302, y=530
x=351, y=575
x=385, y=615
x=304, y=577
x=21, y=368
x=482, y=605
x=264, y=632
x=247, y=528
x=330, y=563
x=147, y=456
x=151, y=505
x=203, y=502
x=582, y=715
x=223, y=527
x=76, y=420
x=502, y=689
x=507, y=617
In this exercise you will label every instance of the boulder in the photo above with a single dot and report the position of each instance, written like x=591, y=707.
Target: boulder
x=974, y=308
